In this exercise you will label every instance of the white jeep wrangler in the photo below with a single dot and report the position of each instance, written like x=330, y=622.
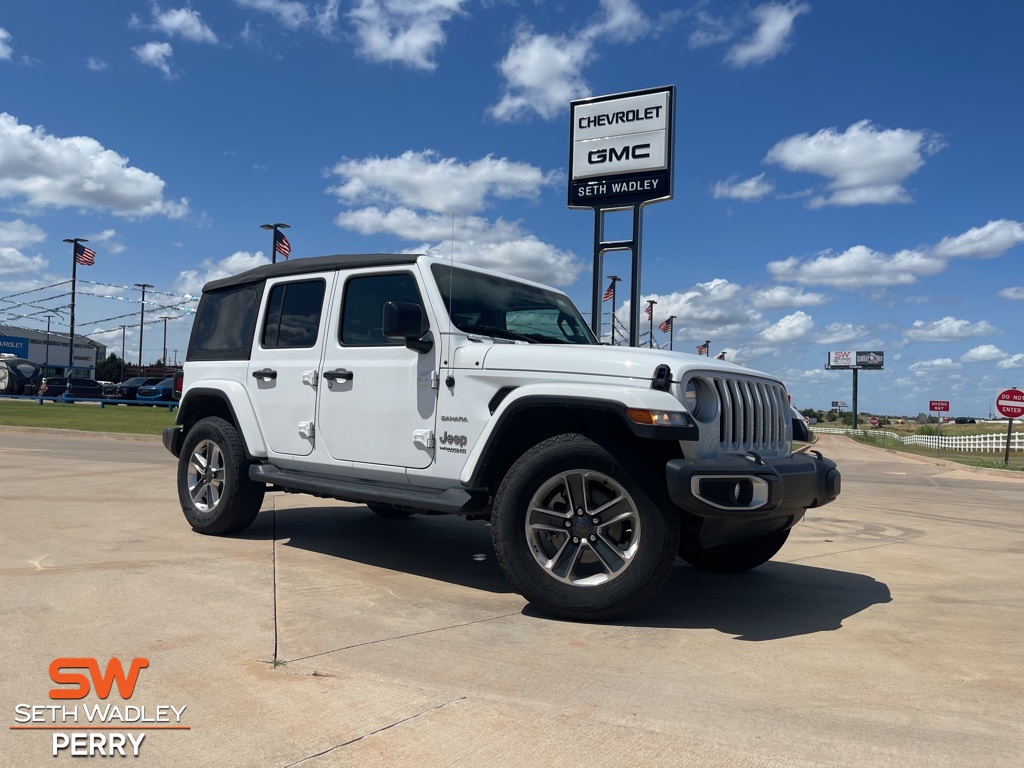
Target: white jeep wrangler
x=410, y=384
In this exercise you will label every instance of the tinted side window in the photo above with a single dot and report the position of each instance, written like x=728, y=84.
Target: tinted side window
x=225, y=323
x=293, y=314
x=363, y=307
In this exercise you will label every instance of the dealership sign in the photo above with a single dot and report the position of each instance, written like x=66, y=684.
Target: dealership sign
x=869, y=361
x=13, y=345
x=620, y=149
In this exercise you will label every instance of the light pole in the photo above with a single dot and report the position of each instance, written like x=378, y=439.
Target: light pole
x=285, y=247
x=46, y=365
x=74, y=275
x=165, y=318
x=615, y=279
x=671, y=330
x=142, y=318
x=650, y=314
x=122, y=351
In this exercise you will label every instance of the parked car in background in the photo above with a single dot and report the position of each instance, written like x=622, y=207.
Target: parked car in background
x=964, y=420
x=159, y=392
x=19, y=376
x=109, y=388
x=127, y=390
x=56, y=386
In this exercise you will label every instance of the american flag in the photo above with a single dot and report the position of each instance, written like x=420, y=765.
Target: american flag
x=281, y=244
x=721, y=356
x=85, y=256
x=610, y=293
x=702, y=349
x=649, y=311
x=666, y=325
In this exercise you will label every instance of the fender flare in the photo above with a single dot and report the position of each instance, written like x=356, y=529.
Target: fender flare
x=528, y=397
x=236, y=398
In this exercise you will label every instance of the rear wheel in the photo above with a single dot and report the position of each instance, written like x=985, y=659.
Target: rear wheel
x=580, y=531
x=214, y=488
x=738, y=557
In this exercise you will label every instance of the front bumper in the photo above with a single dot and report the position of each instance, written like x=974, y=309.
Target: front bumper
x=751, y=486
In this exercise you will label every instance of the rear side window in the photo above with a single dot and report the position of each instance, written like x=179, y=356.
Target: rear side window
x=293, y=314
x=225, y=324
x=363, y=308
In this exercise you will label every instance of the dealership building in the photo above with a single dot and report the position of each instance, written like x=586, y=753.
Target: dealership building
x=50, y=350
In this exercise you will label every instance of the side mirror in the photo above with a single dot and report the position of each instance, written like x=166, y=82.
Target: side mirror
x=404, y=320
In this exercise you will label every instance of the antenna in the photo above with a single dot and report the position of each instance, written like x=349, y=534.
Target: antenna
x=449, y=379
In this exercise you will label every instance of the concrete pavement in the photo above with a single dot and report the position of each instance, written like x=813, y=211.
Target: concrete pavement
x=884, y=633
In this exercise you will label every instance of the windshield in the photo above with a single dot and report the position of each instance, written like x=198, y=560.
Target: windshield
x=494, y=306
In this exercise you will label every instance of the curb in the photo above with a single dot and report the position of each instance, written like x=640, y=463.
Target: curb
x=84, y=433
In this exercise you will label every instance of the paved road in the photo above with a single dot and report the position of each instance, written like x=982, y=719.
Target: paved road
x=885, y=633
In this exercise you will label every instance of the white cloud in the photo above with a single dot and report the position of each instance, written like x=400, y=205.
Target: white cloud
x=191, y=281
x=543, y=73
x=5, y=48
x=13, y=261
x=440, y=184
x=783, y=296
x=185, y=23
x=409, y=32
x=749, y=190
x=841, y=333
x=18, y=234
x=948, y=329
x=864, y=165
x=857, y=267
x=1014, y=293
x=710, y=30
x=95, y=64
x=774, y=26
x=1016, y=361
x=789, y=328
x=715, y=309
x=928, y=368
x=983, y=354
x=108, y=239
x=989, y=241
x=51, y=172
x=289, y=13
x=157, y=55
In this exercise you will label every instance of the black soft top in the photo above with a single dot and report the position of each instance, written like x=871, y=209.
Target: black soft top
x=314, y=264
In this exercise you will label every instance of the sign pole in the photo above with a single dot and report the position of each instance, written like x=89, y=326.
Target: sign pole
x=1009, y=434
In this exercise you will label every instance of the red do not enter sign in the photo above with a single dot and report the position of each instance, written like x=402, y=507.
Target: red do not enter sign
x=1010, y=403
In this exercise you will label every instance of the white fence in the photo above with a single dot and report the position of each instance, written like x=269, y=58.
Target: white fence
x=994, y=443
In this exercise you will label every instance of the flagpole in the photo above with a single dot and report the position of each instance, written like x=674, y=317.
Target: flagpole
x=707, y=345
x=273, y=244
x=671, y=330
x=650, y=310
x=614, y=279
x=74, y=276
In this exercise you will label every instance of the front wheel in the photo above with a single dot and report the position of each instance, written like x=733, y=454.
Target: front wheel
x=738, y=557
x=214, y=488
x=581, y=532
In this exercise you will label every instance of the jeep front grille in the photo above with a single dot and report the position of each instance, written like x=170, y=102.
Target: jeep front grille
x=753, y=414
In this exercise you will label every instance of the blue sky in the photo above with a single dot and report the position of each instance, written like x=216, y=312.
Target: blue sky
x=847, y=175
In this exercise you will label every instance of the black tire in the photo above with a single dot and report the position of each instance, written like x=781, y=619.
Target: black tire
x=616, y=563
x=738, y=557
x=214, y=488
x=390, y=510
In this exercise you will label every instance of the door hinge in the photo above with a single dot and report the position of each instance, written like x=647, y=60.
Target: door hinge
x=310, y=377
x=306, y=429
x=423, y=438
x=431, y=379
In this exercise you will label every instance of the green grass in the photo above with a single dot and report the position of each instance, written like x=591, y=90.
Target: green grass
x=987, y=460
x=89, y=417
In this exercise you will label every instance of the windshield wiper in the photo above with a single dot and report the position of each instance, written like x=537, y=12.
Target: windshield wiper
x=501, y=333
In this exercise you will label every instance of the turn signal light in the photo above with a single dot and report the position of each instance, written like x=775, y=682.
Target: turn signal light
x=657, y=418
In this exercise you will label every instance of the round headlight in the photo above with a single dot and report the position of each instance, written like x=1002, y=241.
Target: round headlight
x=691, y=397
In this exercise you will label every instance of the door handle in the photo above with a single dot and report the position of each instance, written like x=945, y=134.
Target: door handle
x=266, y=373
x=338, y=373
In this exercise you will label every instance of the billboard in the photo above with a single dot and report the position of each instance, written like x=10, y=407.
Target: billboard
x=873, y=360
x=620, y=149
x=14, y=345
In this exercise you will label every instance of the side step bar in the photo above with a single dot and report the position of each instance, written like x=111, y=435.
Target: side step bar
x=450, y=500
